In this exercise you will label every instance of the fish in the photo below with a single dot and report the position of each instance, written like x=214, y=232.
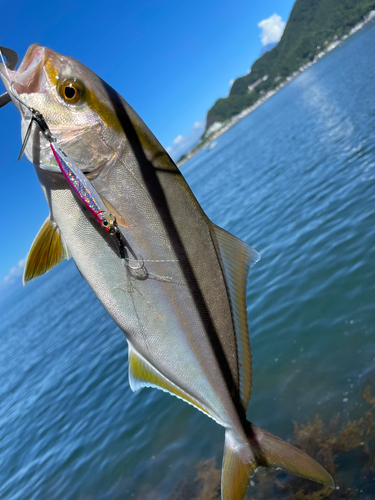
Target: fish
x=178, y=292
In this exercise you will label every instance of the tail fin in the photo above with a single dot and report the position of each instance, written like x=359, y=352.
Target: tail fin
x=267, y=451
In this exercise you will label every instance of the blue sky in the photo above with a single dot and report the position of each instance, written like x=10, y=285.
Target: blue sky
x=171, y=60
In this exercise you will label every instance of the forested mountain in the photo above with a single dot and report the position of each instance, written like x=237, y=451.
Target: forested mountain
x=311, y=25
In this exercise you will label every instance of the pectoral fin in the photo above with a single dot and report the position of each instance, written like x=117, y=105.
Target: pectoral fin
x=119, y=218
x=48, y=250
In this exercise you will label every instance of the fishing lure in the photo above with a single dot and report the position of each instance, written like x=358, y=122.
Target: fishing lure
x=77, y=180
x=83, y=188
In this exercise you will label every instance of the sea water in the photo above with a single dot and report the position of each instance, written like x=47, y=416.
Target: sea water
x=296, y=180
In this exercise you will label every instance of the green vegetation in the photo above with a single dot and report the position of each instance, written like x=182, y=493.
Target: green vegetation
x=311, y=26
x=182, y=158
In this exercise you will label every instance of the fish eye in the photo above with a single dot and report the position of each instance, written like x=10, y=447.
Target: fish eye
x=71, y=91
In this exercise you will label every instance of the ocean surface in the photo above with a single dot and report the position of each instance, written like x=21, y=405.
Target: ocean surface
x=296, y=180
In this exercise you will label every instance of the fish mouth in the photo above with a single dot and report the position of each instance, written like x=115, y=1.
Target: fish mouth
x=27, y=78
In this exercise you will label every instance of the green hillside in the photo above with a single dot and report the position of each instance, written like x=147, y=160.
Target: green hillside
x=312, y=23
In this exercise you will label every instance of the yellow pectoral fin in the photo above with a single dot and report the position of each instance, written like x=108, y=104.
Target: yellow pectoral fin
x=48, y=250
x=119, y=218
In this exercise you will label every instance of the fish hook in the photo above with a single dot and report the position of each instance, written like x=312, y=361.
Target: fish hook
x=39, y=119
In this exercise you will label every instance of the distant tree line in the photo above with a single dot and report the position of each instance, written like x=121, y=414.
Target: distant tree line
x=312, y=23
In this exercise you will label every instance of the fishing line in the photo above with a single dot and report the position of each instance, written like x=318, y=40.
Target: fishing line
x=5, y=64
x=5, y=98
x=13, y=92
x=35, y=114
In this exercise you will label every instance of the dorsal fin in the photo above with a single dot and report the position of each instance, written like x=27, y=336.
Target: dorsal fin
x=47, y=250
x=142, y=374
x=237, y=259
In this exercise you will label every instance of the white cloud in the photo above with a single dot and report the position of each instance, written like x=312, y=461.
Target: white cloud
x=272, y=29
x=13, y=275
x=183, y=143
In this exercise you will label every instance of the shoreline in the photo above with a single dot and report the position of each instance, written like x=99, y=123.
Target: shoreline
x=235, y=119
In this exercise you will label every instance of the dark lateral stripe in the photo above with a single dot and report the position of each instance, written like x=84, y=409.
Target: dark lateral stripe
x=156, y=192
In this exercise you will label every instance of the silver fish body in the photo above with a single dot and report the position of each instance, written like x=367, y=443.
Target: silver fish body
x=180, y=294
x=165, y=299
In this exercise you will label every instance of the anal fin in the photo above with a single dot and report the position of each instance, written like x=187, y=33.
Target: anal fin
x=47, y=250
x=143, y=374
